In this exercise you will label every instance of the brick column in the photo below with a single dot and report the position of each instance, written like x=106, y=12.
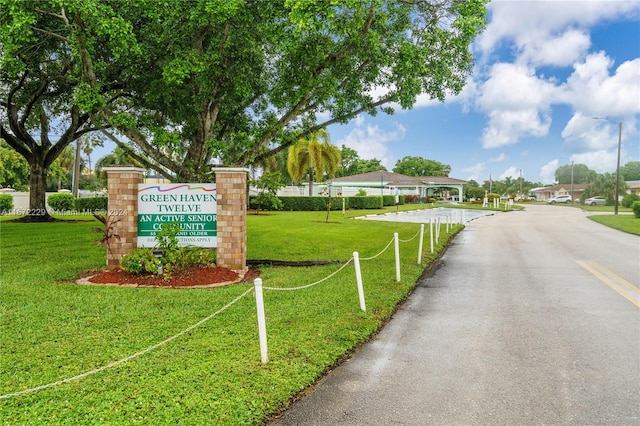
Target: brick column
x=122, y=185
x=231, y=188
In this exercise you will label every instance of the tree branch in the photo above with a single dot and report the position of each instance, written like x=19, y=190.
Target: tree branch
x=148, y=164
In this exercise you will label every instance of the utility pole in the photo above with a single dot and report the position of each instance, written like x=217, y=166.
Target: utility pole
x=76, y=168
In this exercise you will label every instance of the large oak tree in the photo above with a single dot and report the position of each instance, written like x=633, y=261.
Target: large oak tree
x=47, y=101
x=238, y=81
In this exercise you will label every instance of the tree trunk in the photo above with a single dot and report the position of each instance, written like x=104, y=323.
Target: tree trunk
x=311, y=181
x=37, y=194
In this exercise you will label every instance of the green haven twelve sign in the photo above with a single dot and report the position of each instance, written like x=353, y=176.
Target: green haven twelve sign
x=192, y=205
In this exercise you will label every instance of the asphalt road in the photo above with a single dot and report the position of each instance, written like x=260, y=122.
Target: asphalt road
x=532, y=318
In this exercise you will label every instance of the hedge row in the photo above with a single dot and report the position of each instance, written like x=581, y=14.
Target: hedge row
x=67, y=202
x=320, y=203
x=91, y=203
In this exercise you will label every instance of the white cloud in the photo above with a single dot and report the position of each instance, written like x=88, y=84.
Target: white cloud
x=547, y=172
x=512, y=172
x=474, y=171
x=600, y=161
x=536, y=28
x=592, y=90
x=560, y=51
x=517, y=103
x=583, y=134
x=371, y=142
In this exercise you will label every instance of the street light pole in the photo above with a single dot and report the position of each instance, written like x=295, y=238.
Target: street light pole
x=616, y=201
x=571, y=182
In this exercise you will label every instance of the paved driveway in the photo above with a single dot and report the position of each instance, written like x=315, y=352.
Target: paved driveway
x=533, y=317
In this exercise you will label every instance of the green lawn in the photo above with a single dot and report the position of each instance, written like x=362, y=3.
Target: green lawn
x=623, y=222
x=52, y=329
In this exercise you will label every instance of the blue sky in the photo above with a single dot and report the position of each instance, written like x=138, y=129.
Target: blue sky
x=543, y=70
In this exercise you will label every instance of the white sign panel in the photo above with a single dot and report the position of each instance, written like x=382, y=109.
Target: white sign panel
x=192, y=205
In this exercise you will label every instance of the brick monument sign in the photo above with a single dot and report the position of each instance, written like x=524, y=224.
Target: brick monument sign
x=231, y=197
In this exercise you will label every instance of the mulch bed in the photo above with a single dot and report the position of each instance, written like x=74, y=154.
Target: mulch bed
x=211, y=276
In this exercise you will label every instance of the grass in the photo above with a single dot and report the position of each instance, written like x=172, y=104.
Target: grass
x=52, y=329
x=624, y=222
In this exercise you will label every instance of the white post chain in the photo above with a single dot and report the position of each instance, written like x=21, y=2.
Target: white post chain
x=262, y=328
x=437, y=229
x=447, y=225
x=431, y=233
x=356, y=263
x=397, y=247
x=420, y=246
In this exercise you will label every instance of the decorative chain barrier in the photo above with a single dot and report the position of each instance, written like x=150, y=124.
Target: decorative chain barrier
x=309, y=285
x=379, y=254
x=258, y=288
x=130, y=357
x=262, y=330
x=412, y=238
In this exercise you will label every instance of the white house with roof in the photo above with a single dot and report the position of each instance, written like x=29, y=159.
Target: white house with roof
x=547, y=192
x=388, y=183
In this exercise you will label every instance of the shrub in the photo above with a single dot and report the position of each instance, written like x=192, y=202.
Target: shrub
x=6, y=203
x=361, y=203
x=305, y=203
x=91, y=204
x=61, y=202
x=267, y=201
x=176, y=257
x=636, y=208
x=140, y=261
x=388, y=200
x=361, y=193
x=268, y=186
x=629, y=199
x=412, y=199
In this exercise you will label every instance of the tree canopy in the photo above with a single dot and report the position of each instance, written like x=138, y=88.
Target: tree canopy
x=418, y=166
x=630, y=171
x=48, y=93
x=581, y=174
x=183, y=84
x=604, y=184
x=351, y=163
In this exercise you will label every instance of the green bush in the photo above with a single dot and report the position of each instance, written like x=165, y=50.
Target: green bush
x=361, y=203
x=636, y=208
x=629, y=199
x=61, y=202
x=176, y=258
x=304, y=203
x=307, y=204
x=91, y=204
x=140, y=261
x=390, y=200
x=6, y=203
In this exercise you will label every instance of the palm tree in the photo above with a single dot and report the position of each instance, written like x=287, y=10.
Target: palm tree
x=314, y=154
